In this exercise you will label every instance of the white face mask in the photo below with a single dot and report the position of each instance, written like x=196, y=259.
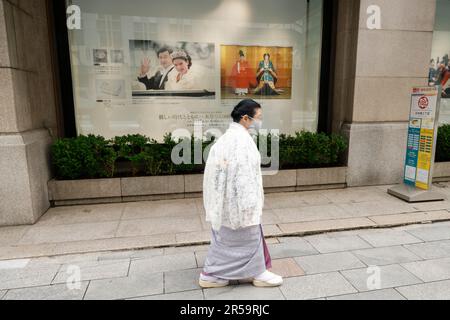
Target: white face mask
x=257, y=124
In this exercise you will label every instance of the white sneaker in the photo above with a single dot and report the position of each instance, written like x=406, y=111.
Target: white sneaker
x=212, y=282
x=268, y=279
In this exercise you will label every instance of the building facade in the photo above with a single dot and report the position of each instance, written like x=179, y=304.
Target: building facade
x=342, y=66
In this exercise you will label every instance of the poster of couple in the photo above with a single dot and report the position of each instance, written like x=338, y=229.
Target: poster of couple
x=172, y=69
x=187, y=70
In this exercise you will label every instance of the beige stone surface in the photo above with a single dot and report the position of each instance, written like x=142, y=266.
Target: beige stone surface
x=82, y=214
x=69, y=233
x=384, y=98
x=193, y=183
x=398, y=219
x=325, y=225
x=321, y=176
x=393, y=53
x=158, y=209
x=153, y=226
x=97, y=228
x=376, y=153
x=152, y=185
x=412, y=15
x=283, y=179
x=84, y=189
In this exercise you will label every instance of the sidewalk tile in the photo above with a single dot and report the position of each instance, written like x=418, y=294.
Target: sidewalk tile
x=93, y=270
x=143, y=227
x=431, y=233
x=431, y=206
x=291, y=249
x=272, y=241
x=354, y=195
x=271, y=230
x=311, y=213
x=243, y=292
x=201, y=257
x=193, y=237
x=376, y=208
x=12, y=235
x=27, y=277
x=416, y=217
x=390, y=277
x=430, y=270
x=287, y=268
x=2, y=293
x=431, y=250
x=326, y=225
x=269, y=217
x=14, y=264
x=52, y=292
x=329, y=262
x=385, y=256
x=130, y=254
x=388, y=238
x=160, y=209
x=335, y=243
x=182, y=280
x=177, y=250
x=316, y=286
x=82, y=214
x=66, y=259
x=67, y=233
x=284, y=200
x=186, y=295
x=428, y=291
x=163, y=264
x=386, y=294
x=125, y=288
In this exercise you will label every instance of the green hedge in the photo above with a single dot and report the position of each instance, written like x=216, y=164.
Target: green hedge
x=443, y=144
x=90, y=157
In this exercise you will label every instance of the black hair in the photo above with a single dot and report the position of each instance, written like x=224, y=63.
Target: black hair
x=245, y=107
x=164, y=49
x=241, y=53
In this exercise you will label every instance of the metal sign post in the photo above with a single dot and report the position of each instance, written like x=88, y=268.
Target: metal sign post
x=417, y=184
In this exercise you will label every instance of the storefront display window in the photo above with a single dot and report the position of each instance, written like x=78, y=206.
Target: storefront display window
x=147, y=67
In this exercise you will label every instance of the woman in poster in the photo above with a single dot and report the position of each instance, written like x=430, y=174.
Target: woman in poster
x=233, y=198
x=185, y=77
x=266, y=77
x=241, y=75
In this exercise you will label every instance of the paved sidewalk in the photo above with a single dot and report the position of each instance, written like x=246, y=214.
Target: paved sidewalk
x=94, y=228
x=410, y=262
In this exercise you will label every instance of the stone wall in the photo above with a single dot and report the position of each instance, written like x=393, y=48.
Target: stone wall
x=27, y=110
x=376, y=70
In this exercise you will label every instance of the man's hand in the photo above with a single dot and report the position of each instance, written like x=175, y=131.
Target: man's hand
x=145, y=66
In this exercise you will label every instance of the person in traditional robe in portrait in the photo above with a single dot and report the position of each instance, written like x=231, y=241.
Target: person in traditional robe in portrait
x=241, y=75
x=266, y=77
x=233, y=197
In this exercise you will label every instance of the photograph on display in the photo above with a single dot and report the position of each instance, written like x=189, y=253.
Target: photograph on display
x=117, y=56
x=440, y=74
x=100, y=56
x=256, y=72
x=172, y=69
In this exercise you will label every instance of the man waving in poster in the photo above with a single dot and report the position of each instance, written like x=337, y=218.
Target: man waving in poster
x=158, y=81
